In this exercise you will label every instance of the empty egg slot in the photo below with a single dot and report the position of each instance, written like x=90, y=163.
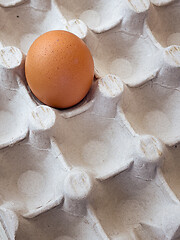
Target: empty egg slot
x=164, y=25
x=97, y=149
x=31, y=178
x=134, y=60
x=151, y=110
x=92, y=14
x=124, y=202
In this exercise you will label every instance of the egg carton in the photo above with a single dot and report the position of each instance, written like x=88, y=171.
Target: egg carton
x=107, y=168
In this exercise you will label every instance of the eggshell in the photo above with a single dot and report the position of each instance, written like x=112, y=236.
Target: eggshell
x=59, y=69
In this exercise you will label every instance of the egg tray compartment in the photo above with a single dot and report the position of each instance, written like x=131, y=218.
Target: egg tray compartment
x=108, y=167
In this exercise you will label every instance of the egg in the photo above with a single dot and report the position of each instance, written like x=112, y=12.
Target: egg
x=59, y=69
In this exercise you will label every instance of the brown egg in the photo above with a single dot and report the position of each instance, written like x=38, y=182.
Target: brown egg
x=59, y=69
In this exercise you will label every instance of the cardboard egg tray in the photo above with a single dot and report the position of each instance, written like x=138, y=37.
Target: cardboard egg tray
x=107, y=168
